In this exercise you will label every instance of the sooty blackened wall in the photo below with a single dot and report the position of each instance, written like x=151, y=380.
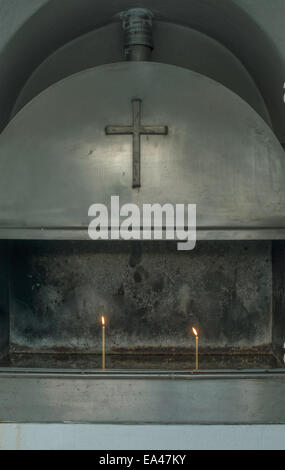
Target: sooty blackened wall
x=4, y=297
x=278, y=320
x=151, y=294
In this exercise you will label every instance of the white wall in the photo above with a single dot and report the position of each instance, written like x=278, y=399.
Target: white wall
x=155, y=437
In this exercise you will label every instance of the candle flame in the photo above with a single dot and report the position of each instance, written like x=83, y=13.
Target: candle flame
x=194, y=331
x=103, y=320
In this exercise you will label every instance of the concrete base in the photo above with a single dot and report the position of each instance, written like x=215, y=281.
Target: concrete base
x=142, y=397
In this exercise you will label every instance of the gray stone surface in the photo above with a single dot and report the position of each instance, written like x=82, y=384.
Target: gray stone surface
x=144, y=397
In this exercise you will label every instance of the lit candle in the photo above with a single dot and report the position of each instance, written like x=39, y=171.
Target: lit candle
x=103, y=342
x=197, y=351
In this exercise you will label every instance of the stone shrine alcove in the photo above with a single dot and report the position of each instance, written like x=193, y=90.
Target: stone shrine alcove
x=150, y=132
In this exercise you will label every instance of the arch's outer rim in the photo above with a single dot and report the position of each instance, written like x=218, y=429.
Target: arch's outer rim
x=110, y=66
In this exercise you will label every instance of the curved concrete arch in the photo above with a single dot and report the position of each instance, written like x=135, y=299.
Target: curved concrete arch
x=173, y=44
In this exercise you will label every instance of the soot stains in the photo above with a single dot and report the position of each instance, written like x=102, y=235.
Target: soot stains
x=151, y=295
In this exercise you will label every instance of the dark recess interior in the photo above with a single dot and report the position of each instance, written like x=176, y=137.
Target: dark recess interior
x=52, y=294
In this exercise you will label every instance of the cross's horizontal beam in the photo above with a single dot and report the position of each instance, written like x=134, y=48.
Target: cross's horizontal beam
x=154, y=130
x=143, y=130
x=119, y=130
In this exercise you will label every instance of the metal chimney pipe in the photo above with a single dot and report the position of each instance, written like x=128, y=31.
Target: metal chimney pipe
x=137, y=27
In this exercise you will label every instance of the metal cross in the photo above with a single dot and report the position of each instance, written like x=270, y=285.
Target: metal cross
x=136, y=130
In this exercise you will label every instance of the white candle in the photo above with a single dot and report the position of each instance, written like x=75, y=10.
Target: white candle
x=103, y=342
x=197, y=347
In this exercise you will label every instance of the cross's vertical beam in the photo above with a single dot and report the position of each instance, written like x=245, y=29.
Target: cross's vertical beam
x=136, y=143
x=136, y=130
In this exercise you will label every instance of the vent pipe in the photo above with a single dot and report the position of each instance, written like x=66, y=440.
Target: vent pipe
x=137, y=27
